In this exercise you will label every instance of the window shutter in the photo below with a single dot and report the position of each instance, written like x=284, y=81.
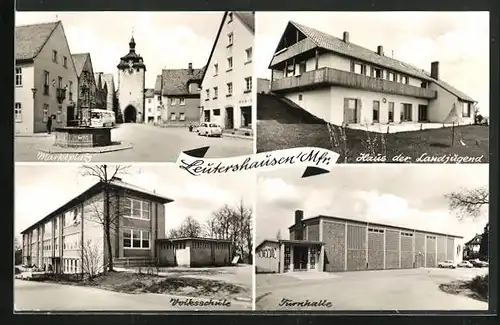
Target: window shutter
x=352, y=66
x=358, y=110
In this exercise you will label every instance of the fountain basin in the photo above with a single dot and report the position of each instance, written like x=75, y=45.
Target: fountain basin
x=82, y=137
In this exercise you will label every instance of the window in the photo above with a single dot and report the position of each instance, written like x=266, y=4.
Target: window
x=59, y=114
x=207, y=92
x=302, y=67
x=216, y=112
x=46, y=78
x=65, y=62
x=377, y=73
x=300, y=96
x=45, y=112
x=359, y=68
x=149, y=100
x=173, y=101
x=376, y=110
x=289, y=70
x=182, y=101
x=391, y=112
x=229, y=63
x=18, y=113
x=406, y=112
x=465, y=109
x=136, y=208
x=72, y=217
x=248, y=55
x=423, y=84
x=350, y=110
x=405, y=80
x=59, y=82
x=216, y=69
x=230, y=38
x=216, y=92
x=248, y=84
x=54, y=56
x=381, y=231
x=172, y=116
x=229, y=89
x=182, y=117
x=391, y=76
x=133, y=238
x=19, y=76
x=149, y=110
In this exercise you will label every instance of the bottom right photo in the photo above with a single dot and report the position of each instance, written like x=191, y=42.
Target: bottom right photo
x=373, y=237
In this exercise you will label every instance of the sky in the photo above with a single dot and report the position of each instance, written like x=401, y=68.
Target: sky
x=406, y=195
x=40, y=189
x=458, y=40
x=164, y=39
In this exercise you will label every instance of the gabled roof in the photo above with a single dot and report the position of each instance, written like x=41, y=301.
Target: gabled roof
x=30, y=39
x=176, y=81
x=248, y=20
x=337, y=45
x=79, y=60
x=115, y=183
x=476, y=240
x=107, y=78
x=149, y=93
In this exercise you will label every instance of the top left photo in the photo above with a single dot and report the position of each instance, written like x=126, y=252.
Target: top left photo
x=132, y=86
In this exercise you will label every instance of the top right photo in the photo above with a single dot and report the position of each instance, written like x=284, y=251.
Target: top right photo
x=375, y=87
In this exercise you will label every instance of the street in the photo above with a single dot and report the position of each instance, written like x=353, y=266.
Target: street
x=40, y=296
x=413, y=289
x=150, y=144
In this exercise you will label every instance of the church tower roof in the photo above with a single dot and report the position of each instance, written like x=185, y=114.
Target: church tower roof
x=132, y=60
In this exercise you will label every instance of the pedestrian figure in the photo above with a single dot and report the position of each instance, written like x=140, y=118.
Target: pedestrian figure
x=49, y=124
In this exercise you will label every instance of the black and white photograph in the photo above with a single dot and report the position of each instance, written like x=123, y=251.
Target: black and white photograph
x=373, y=237
x=400, y=87
x=132, y=86
x=106, y=237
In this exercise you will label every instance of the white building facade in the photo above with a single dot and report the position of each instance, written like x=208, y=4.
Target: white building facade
x=226, y=95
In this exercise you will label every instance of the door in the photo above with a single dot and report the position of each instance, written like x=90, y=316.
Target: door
x=376, y=110
x=300, y=258
x=350, y=111
x=70, y=116
x=419, y=260
x=207, y=116
x=422, y=113
x=229, y=118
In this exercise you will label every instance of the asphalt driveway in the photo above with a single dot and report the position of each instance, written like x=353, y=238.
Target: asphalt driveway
x=414, y=289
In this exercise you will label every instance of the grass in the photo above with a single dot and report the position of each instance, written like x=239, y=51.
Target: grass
x=283, y=125
x=477, y=288
x=352, y=144
x=174, y=285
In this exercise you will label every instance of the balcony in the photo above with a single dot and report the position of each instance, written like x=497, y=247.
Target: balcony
x=60, y=94
x=298, y=48
x=333, y=77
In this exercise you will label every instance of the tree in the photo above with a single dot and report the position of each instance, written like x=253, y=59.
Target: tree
x=190, y=227
x=91, y=256
x=469, y=203
x=18, y=251
x=107, y=214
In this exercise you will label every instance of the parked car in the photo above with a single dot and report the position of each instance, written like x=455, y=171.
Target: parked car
x=447, y=264
x=479, y=263
x=209, y=130
x=466, y=264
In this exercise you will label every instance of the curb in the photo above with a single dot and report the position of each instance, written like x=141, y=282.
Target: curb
x=94, y=150
x=237, y=136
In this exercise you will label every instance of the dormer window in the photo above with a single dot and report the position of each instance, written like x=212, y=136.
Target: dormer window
x=54, y=56
x=229, y=17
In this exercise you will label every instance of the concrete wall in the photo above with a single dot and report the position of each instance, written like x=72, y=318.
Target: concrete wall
x=450, y=248
x=440, y=108
x=375, y=250
x=441, y=248
x=392, y=250
x=317, y=102
x=131, y=90
x=356, y=247
x=335, y=247
x=166, y=254
x=267, y=258
x=407, y=251
x=242, y=40
x=430, y=251
x=420, y=251
x=43, y=62
x=24, y=95
x=183, y=257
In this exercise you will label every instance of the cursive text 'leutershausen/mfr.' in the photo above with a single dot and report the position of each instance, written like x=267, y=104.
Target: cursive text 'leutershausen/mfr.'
x=202, y=167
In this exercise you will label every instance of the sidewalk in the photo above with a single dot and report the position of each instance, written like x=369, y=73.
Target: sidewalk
x=33, y=135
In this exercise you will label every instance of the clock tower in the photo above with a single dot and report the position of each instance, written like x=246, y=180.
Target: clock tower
x=131, y=82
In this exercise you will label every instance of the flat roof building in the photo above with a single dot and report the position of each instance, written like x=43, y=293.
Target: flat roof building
x=332, y=244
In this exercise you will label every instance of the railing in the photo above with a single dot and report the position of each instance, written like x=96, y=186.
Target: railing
x=335, y=77
x=293, y=50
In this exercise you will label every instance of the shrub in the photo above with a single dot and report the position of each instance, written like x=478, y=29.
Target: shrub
x=479, y=285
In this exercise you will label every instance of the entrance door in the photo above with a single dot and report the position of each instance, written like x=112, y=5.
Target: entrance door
x=206, y=115
x=422, y=113
x=246, y=116
x=229, y=118
x=300, y=258
x=419, y=260
x=350, y=111
x=70, y=115
x=130, y=114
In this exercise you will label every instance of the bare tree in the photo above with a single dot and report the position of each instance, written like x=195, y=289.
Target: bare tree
x=468, y=202
x=91, y=256
x=190, y=227
x=18, y=243
x=108, y=215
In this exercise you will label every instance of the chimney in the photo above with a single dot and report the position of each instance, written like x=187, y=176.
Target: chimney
x=380, y=50
x=190, y=68
x=299, y=215
x=435, y=70
x=346, y=37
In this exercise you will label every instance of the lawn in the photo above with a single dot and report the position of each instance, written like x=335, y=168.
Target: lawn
x=355, y=144
x=477, y=288
x=128, y=282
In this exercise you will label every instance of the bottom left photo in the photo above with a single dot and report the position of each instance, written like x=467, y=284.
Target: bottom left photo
x=106, y=237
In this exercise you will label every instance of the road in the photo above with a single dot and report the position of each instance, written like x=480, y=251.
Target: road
x=150, y=144
x=415, y=289
x=40, y=296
